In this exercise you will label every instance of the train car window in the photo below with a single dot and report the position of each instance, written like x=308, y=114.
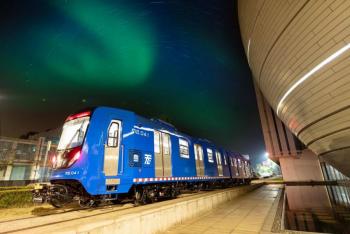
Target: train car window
x=231, y=161
x=235, y=162
x=184, y=150
x=200, y=154
x=157, y=142
x=113, y=133
x=166, y=143
x=225, y=161
x=239, y=163
x=210, y=155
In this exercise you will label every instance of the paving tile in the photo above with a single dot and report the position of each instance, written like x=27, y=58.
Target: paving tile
x=242, y=232
x=243, y=215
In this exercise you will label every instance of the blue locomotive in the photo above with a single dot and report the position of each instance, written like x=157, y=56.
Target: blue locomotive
x=113, y=154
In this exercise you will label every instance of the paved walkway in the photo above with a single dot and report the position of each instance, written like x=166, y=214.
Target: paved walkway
x=250, y=213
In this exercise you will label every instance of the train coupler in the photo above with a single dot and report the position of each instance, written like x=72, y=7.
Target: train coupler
x=40, y=193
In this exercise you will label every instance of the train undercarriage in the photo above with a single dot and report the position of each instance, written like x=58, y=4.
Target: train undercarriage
x=62, y=193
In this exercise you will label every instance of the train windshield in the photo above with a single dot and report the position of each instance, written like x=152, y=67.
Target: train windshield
x=73, y=133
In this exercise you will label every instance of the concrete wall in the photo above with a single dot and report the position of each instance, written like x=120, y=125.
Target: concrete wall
x=153, y=218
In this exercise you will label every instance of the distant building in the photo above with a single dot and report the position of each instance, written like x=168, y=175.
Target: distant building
x=49, y=135
x=23, y=161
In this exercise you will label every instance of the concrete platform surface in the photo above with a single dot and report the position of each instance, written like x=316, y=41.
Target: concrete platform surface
x=251, y=213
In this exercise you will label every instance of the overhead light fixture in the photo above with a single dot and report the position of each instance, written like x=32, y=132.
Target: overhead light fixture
x=310, y=73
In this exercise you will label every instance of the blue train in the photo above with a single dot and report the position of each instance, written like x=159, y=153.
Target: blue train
x=113, y=154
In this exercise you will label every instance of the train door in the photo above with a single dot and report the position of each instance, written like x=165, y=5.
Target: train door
x=239, y=167
x=231, y=167
x=166, y=154
x=219, y=163
x=198, y=154
x=162, y=151
x=246, y=169
x=112, y=148
x=236, y=167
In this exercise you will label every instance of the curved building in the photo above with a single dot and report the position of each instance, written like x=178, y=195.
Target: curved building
x=299, y=54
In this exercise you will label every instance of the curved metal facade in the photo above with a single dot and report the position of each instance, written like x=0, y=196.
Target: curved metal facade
x=299, y=54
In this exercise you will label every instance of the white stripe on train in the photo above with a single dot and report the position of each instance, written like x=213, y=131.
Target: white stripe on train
x=177, y=178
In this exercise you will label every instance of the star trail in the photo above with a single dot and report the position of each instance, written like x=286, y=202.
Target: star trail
x=182, y=61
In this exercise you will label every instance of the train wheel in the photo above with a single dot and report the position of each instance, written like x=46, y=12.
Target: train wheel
x=173, y=193
x=86, y=203
x=56, y=203
x=138, y=198
x=141, y=196
x=59, y=196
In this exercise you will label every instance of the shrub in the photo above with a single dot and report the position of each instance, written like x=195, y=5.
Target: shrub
x=17, y=187
x=15, y=198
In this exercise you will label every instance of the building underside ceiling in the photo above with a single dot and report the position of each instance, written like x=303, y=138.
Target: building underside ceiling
x=299, y=54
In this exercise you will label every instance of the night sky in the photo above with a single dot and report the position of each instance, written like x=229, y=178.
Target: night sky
x=182, y=61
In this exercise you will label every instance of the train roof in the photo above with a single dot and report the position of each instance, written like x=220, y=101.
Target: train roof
x=163, y=125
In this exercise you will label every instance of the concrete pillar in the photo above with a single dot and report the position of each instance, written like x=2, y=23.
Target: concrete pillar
x=264, y=122
x=282, y=136
x=304, y=168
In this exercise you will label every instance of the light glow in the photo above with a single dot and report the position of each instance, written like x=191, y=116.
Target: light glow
x=248, y=48
x=54, y=159
x=310, y=73
x=79, y=115
x=76, y=156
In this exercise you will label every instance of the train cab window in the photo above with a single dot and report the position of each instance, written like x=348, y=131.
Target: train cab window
x=210, y=155
x=157, y=142
x=184, y=149
x=113, y=134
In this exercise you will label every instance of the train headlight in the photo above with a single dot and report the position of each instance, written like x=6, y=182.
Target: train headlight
x=67, y=158
x=74, y=158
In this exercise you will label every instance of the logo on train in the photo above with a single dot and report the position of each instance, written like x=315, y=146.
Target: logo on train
x=148, y=159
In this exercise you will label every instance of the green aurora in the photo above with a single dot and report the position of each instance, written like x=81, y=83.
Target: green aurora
x=180, y=62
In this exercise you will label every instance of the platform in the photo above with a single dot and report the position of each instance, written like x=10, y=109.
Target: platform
x=251, y=213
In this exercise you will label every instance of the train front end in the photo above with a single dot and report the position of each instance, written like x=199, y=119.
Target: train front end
x=68, y=165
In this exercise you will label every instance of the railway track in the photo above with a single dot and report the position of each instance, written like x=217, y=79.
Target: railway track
x=30, y=223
